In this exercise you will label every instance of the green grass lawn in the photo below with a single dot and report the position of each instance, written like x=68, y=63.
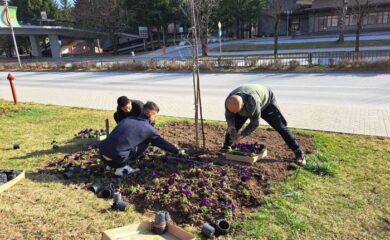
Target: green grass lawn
x=262, y=47
x=343, y=193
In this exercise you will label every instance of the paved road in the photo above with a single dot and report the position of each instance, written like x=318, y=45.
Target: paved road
x=350, y=103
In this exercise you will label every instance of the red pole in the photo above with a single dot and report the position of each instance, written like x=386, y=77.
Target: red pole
x=11, y=79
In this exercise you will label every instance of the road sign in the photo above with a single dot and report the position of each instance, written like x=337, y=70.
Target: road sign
x=43, y=15
x=143, y=32
x=219, y=25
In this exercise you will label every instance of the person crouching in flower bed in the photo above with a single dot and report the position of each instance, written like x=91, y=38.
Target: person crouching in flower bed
x=253, y=102
x=130, y=138
x=127, y=108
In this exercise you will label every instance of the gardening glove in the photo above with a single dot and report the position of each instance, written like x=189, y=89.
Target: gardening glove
x=182, y=153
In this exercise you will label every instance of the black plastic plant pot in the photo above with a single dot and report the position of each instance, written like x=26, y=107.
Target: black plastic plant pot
x=108, y=192
x=168, y=217
x=160, y=223
x=68, y=174
x=3, y=178
x=16, y=146
x=96, y=187
x=208, y=231
x=117, y=197
x=223, y=226
x=120, y=205
x=159, y=229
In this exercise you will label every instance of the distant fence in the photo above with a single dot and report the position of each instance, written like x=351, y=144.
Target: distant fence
x=304, y=59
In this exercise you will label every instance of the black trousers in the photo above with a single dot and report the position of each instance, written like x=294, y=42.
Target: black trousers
x=275, y=119
x=134, y=155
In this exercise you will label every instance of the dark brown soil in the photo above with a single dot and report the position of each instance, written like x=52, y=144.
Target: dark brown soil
x=228, y=189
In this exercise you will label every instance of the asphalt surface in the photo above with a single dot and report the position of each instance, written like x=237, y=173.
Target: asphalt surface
x=350, y=103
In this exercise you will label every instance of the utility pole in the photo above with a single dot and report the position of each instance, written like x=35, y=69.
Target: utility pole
x=12, y=32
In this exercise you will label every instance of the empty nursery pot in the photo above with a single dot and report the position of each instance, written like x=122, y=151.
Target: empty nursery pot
x=68, y=175
x=117, y=197
x=16, y=146
x=120, y=205
x=208, y=231
x=223, y=226
x=108, y=191
x=96, y=187
x=160, y=223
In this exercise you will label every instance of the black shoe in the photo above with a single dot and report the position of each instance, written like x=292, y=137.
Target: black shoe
x=300, y=158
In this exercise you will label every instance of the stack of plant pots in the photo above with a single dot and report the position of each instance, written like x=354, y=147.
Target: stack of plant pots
x=222, y=227
x=161, y=221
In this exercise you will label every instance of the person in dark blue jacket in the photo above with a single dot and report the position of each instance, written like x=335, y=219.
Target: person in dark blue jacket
x=130, y=138
x=127, y=108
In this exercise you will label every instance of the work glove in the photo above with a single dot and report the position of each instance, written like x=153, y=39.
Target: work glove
x=183, y=153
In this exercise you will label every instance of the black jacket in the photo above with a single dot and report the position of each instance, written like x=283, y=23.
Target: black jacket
x=136, y=109
x=128, y=134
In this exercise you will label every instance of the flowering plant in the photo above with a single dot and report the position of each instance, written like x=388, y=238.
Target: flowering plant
x=90, y=133
x=247, y=149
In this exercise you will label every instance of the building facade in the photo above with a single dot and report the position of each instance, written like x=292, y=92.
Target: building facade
x=323, y=17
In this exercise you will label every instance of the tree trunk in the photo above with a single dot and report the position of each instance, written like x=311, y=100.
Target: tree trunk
x=250, y=29
x=204, y=37
x=357, y=41
x=276, y=33
x=237, y=28
x=151, y=37
x=159, y=36
x=342, y=21
x=165, y=31
x=114, y=41
x=174, y=31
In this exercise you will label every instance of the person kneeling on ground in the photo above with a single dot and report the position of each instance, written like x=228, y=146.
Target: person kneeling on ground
x=253, y=102
x=130, y=138
x=127, y=108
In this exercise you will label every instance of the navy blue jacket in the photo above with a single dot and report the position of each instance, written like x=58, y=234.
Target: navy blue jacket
x=130, y=133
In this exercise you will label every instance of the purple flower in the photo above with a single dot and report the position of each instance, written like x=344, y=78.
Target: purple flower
x=171, y=181
x=223, y=173
x=77, y=157
x=205, y=180
x=245, y=178
x=154, y=174
x=166, y=189
x=228, y=203
x=206, y=202
x=209, y=168
x=228, y=190
x=223, y=183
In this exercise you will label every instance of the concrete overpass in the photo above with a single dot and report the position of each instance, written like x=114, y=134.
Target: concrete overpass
x=55, y=33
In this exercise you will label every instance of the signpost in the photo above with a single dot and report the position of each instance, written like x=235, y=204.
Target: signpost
x=143, y=33
x=220, y=36
x=8, y=20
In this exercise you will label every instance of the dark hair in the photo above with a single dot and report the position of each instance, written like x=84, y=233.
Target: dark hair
x=123, y=101
x=150, y=106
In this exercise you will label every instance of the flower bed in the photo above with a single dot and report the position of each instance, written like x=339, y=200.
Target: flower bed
x=203, y=189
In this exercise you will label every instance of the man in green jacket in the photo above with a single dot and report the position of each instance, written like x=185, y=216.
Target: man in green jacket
x=253, y=102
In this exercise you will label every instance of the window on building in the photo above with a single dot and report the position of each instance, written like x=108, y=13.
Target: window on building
x=295, y=25
x=372, y=18
x=386, y=18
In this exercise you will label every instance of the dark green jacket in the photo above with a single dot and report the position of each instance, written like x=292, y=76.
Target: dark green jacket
x=256, y=98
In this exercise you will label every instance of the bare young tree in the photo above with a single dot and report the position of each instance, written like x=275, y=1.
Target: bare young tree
x=275, y=9
x=360, y=10
x=203, y=11
x=342, y=10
